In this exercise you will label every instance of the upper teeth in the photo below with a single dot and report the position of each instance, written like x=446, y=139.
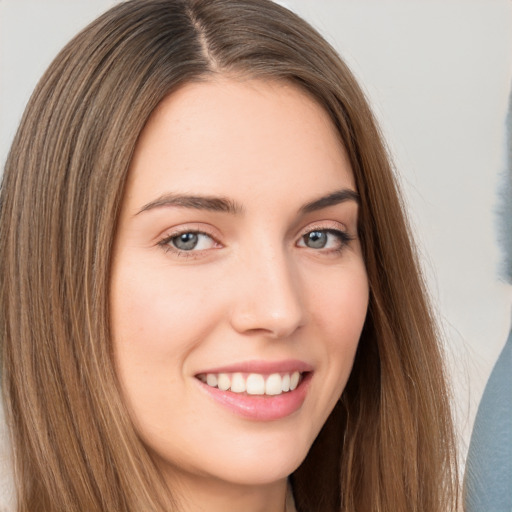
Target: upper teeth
x=253, y=383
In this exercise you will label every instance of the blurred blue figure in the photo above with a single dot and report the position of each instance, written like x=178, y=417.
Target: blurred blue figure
x=488, y=478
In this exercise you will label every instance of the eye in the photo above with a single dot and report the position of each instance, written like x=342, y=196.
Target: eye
x=324, y=239
x=189, y=241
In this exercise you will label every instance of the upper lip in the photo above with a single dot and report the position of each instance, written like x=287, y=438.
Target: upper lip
x=263, y=367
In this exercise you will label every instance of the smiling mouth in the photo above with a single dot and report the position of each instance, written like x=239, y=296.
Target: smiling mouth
x=253, y=383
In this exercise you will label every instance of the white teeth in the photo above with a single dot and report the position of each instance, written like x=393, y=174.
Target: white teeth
x=294, y=380
x=211, y=380
x=273, y=385
x=223, y=382
x=254, y=383
x=285, y=384
x=238, y=383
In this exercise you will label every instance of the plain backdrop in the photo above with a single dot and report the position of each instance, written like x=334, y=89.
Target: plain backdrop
x=438, y=73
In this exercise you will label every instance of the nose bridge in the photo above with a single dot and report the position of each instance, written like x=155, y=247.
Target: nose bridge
x=269, y=298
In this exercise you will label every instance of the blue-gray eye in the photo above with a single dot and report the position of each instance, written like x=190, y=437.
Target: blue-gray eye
x=325, y=239
x=185, y=241
x=190, y=241
x=316, y=239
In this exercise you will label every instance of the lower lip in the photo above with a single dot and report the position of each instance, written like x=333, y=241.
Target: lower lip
x=261, y=407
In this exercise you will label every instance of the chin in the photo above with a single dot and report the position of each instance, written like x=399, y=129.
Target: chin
x=258, y=466
x=243, y=464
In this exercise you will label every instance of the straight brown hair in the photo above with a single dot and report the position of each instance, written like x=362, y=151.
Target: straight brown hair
x=388, y=446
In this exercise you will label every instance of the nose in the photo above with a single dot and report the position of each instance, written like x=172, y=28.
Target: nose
x=269, y=299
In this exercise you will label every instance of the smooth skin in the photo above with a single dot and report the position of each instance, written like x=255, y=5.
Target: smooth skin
x=264, y=272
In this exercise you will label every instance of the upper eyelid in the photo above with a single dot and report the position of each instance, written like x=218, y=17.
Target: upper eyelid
x=166, y=239
x=199, y=228
x=343, y=234
x=324, y=226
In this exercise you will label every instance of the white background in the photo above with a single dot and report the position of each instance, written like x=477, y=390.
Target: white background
x=438, y=73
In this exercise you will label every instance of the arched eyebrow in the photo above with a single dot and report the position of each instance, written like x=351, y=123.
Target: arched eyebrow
x=340, y=196
x=215, y=204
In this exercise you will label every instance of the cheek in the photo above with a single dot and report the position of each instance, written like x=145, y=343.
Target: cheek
x=152, y=334
x=148, y=335
x=155, y=310
x=340, y=313
x=340, y=306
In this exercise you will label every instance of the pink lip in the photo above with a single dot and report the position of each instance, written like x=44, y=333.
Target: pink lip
x=260, y=407
x=263, y=367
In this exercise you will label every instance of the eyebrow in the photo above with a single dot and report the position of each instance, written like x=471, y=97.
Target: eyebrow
x=340, y=196
x=225, y=205
x=214, y=204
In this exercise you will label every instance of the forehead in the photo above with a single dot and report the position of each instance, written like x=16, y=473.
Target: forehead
x=228, y=136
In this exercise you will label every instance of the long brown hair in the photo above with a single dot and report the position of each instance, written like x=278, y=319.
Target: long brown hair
x=387, y=446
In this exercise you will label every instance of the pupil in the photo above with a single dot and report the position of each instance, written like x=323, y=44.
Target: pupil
x=316, y=239
x=186, y=241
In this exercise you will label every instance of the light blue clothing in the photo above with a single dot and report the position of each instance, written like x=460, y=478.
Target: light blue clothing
x=488, y=479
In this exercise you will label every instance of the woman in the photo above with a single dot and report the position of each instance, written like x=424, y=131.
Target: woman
x=208, y=279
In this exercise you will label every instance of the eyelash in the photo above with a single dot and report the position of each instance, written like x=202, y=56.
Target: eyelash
x=343, y=237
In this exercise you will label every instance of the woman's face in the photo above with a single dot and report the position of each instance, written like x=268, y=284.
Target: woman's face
x=238, y=288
